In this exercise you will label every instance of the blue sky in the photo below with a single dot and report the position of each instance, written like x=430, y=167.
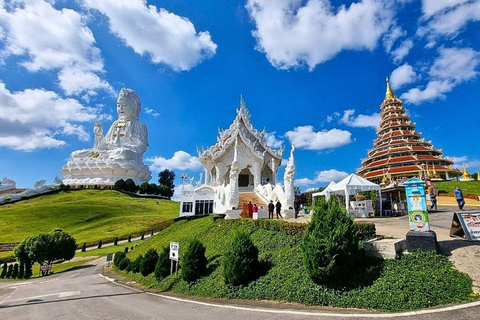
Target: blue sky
x=309, y=71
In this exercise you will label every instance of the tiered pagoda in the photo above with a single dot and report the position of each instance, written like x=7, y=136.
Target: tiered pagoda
x=399, y=152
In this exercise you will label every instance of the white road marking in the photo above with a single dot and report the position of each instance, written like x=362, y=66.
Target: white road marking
x=307, y=313
x=69, y=294
x=59, y=294
x=14, y=289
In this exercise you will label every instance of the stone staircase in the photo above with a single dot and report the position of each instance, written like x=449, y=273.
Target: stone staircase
x=250, y=196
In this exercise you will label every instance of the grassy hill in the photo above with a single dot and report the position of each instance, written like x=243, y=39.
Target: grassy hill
x=416, y=280
x=468, y=187
x=88, y=215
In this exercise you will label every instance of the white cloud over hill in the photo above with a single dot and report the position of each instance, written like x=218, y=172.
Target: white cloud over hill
x=181, y=160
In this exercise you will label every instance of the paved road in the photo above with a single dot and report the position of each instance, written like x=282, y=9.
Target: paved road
x=84, y=294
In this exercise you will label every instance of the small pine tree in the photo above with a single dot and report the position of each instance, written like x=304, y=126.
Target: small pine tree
x=330, y=243
x=4, y=271
x=125, y=250
x=162, y=269
x=194, y=263
x=149, y=262
x=15, y=271
x=135, y=265
x=84, y=247
x=10, y=271
x=21, y=270
x=240, y=263
x=143, y=236
x=124, y=264
x=99, y=244
x=151, y=235
x=129, y=238
x=115, y=242
x=119, y=256
x=28, y=270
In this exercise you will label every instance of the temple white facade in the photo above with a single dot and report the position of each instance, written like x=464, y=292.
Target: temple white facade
x=240, y=166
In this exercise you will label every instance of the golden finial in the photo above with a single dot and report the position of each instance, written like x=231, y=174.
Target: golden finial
x=389, y=94
x=466, y=175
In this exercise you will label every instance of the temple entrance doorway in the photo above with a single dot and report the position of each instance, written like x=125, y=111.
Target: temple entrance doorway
x=243, y=180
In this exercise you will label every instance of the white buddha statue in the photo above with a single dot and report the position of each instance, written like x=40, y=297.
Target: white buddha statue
x=118, y=154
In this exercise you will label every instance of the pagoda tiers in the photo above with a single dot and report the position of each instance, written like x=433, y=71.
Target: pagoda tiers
x=243, y=148
x=399, y=152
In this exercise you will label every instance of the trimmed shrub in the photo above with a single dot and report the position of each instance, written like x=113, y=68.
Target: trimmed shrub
x=15, y=271
x=124, y=264
x=366, y=230
x=21, y=270
x=4, y=271
x=240, y=263
x=330, y=244
x=99, y=244
x=149, y=262
x=28, y=270
x=142, y=237
x=151, y=235
x=118, y=257
x=10, y=271
x=135, y=265
x=162, y=268
x=193, y=264
x=125, y=250
x=115, y=242
x=144, y=188
x=129, y=238
x=84, y=247
x=119, y=185
x=130, y=186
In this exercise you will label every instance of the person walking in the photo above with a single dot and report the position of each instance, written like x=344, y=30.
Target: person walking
x=459, y=196
x=250, y=209
x=271, y=207
x=278, y=206
x=433, y=199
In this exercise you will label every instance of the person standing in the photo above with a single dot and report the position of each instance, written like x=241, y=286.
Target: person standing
x=255, y=209
x=271, y=207
x=278, y=206
x=459, y=196
x=433, y=199
x=250, y=209
x=245, y=209
x=296, y=207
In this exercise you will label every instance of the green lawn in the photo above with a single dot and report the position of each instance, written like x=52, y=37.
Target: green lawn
x=417, y=280
x=467, y=187
x=88, y=215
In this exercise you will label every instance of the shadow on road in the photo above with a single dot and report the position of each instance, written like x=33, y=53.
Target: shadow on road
x=39, y=301
x=447, y=246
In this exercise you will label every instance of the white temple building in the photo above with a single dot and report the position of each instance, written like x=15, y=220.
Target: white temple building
x=239, y=167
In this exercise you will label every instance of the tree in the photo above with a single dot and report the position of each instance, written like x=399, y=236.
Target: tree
x=165, y=191
x=10, y=271
x=144, y=188
x=130, y=186
x=15, y=271
x=330, y=243
x=240, y=263
x=4, y=271
x=149, y=262
x=193, y=263
x=21, y=271
x=120, y=185
x=162, y=268
x=167, y=178
x=153, y=188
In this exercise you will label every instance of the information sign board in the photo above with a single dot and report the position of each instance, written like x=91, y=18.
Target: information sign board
x=466, y=224
x=174, y=251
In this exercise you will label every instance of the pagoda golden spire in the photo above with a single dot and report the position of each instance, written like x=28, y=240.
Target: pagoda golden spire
x=466, y=175
x=389, y=94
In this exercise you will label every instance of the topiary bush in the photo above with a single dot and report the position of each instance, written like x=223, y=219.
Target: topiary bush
x=125, y=250
x=162, y=268
x=118, y=257
x=193, y=264
x=129, y=238
x=240, y=263
x=4, y=271
x=99, y=244
x=124, y=264
x=15, y=271
x=142, y=237
x=84, y=247
x=21, y=270
x=119, y=185
x=135, y=265
x=9, y=271
x=115, y=242
x=330, y=243
x=149, y=262
x=28, y=270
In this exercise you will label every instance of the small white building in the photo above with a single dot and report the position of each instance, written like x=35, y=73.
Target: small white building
x=239, y=167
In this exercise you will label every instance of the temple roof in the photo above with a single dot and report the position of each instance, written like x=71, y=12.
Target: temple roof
x=243, y=128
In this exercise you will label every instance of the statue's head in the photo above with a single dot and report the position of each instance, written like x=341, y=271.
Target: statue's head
x=128, y=104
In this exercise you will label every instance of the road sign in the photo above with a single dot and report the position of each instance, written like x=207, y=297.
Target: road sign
x=109, y=257
x=174, y=251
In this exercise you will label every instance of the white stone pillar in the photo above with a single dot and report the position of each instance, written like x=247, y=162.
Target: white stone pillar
x=257, y=173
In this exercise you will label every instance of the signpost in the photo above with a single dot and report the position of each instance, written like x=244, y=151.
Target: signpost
x=174, y=246
x=109, y=258
x=466, y=224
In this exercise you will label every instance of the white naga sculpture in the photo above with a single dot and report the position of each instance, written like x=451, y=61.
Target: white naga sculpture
x=118, y=154
x=288, y=179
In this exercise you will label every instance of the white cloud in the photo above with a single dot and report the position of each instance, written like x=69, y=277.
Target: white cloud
x=402, y=75
x=152, y=112
x=360, y=121
x=452, y=67
x=306, y=138
x=49, y=39
x=402, y=50
x=471, y=164
x=162, y=35
x=272, y=140
x=321, y=177
x=35, y=118
x=181, y=160
x=293, y=33
x=448, y=17
x=391, y=36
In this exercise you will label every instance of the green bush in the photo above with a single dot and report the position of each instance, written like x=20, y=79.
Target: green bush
x=28, y=270
x=118, y=257
x=125, y=250
x=142, y=237
x=366, y=230
x=115, y=241
x=99, y=244
x=119, y=185
x=15, y=271
x=240, y=263
x=21, y=270
x=330, y=244
x=149, y=262
x=135, y=265
x=193, y=264
x=4, y=271
x=10, y=271
x=124, y=264
x=162, y=268
x=130, y=186
x=129, y=238
x=84, y=247
x=144, y=188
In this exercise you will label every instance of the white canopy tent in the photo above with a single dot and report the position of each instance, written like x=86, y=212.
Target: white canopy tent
x=350, y=185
